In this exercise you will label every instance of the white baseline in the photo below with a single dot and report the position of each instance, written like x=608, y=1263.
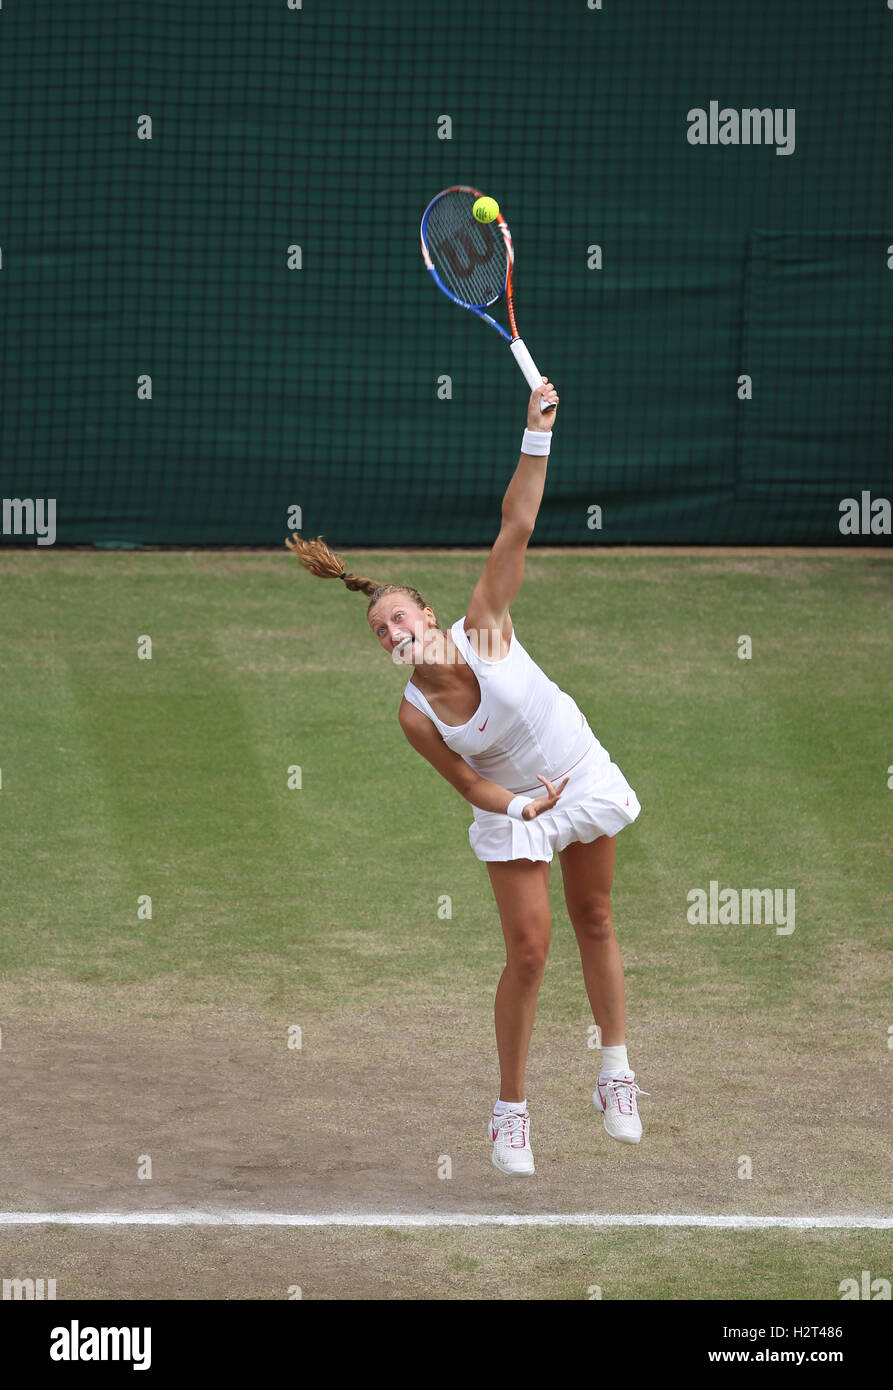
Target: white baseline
x=214, y=1217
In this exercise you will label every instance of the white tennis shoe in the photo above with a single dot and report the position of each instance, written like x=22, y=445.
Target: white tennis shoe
x=511, y=1142
x=615, y=1097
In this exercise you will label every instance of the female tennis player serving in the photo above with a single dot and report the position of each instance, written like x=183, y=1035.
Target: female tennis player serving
x=519, y=749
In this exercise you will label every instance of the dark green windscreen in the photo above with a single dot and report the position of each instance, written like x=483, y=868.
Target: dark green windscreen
x=325, y=387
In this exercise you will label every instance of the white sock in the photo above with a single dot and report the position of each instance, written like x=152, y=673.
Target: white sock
x=614, y=1059
x=513, y=1107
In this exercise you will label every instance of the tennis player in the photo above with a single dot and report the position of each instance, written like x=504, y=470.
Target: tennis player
x=520, y=750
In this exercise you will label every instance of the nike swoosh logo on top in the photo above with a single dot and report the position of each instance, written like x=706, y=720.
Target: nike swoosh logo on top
x=484, y=725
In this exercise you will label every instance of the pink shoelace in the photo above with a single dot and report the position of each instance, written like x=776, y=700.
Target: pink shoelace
x=515, y=1126
x=624, y=1091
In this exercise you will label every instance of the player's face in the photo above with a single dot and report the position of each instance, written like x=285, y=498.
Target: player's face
x=401, y=627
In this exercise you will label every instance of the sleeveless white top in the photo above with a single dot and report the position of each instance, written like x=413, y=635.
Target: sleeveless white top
x=524, y=724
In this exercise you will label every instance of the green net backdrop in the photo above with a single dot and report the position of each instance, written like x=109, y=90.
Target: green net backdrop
x=324, y=387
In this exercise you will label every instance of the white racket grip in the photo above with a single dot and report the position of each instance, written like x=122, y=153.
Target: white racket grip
x=532, y=375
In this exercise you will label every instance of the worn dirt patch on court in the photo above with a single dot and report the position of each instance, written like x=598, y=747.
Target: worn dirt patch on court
x=362, y=1115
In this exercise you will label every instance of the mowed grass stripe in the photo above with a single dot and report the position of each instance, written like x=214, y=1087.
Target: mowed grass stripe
x=64, y=877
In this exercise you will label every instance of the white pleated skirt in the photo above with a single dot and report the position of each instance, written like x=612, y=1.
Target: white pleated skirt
x=597, y=800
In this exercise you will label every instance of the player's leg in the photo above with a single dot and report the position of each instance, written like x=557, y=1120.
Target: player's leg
x=588, y=873
x=520, y=887
x=521, y=890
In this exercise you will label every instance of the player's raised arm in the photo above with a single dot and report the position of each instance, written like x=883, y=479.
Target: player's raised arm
x=504, y=570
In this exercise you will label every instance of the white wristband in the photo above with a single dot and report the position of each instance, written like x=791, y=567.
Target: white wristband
x=516, y=806
x=536, y=442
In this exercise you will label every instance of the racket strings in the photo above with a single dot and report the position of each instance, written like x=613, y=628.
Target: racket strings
x=470, y=257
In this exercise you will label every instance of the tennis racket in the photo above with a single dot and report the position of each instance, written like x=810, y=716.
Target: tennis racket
x=472, y=263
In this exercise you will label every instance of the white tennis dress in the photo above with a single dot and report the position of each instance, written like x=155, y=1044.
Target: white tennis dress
x=526, y=725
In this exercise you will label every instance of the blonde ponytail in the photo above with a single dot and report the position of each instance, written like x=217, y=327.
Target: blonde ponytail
x=316, y=557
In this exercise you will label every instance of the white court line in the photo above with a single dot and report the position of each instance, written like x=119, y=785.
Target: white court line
x=431, y=1219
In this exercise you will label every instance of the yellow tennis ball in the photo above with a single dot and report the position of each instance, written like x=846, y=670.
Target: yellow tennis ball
x=485, y=210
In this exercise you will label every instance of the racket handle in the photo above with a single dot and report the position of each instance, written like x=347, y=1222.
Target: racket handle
x=532, y=375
